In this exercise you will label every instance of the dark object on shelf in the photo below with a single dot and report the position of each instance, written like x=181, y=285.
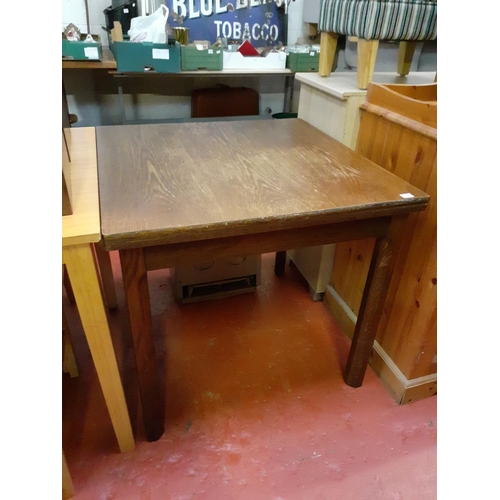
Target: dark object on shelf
x=123, y=14
x=181, y=34
x=279, y=116
x=119, y=3
x=224, y=101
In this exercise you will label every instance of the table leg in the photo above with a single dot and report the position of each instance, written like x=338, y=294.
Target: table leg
x=69, y=360
x=67, y=484
x=121, y=101
x=68, y=288
x=372, y=303
x=279, y=263
x=81, y=267
x=288, y=93
x=135, y=282
x=107, y=278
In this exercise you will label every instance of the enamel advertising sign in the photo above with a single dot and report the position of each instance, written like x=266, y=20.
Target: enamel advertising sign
x=261, y=22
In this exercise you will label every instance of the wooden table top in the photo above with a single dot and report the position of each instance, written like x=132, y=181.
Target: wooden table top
x=83, y=226
x=171, y=183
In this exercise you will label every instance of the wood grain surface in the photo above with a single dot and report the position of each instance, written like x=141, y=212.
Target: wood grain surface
x=171, y=183
x=83, y=225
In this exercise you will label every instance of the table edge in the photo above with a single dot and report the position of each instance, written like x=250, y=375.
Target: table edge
x=138, y=239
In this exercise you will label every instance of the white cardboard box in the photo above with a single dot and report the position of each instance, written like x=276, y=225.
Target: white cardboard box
x=273, y=60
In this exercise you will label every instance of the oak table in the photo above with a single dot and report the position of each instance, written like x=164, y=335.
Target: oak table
x=185, y=193
x=80, y=231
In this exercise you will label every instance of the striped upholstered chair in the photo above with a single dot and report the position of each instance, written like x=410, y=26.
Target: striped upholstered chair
x=405, y=21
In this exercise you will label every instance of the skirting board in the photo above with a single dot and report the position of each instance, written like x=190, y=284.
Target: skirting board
x=402, y=390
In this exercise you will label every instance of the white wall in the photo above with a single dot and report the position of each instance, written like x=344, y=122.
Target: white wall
x=73, y=11
x=295, y=24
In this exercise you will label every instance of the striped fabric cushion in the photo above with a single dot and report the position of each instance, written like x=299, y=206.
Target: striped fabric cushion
x=380, y=19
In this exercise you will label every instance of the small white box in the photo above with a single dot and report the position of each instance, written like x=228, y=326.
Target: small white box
x=235, y=60
x=218, y=278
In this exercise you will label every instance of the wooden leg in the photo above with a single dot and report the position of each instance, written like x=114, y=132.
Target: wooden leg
x=377, y=285
x=312, y=29
x=328, y=47
x=68, y=287
x=108, y=280
x=135, y=282
x=367, y=54
x=316, y=296
x=405, y=56
x=82, y=270
x=67, y=484
x=279, y=263
x=69, y=361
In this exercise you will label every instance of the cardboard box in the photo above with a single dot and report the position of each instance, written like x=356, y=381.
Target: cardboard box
x=235, y=60
x=147, y=57
x=193, y=59
x=303, y=62
x=82, y=50
x=217, y=279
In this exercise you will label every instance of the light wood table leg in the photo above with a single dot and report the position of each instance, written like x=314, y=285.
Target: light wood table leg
x=372, y=303
x=67, y=484
x=135, y=282
x=107, y=278
x=81, y=267
x=106, y=275
x=405, y=57
x=69, y=361
x=328, y=47
x=367, y=54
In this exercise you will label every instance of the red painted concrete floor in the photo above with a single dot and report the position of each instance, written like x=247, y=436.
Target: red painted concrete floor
x=256, y=407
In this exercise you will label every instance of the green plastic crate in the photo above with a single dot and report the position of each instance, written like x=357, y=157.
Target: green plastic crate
x=193, y=59
x=147, y=57
x=81, y=50
x=308, y=61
